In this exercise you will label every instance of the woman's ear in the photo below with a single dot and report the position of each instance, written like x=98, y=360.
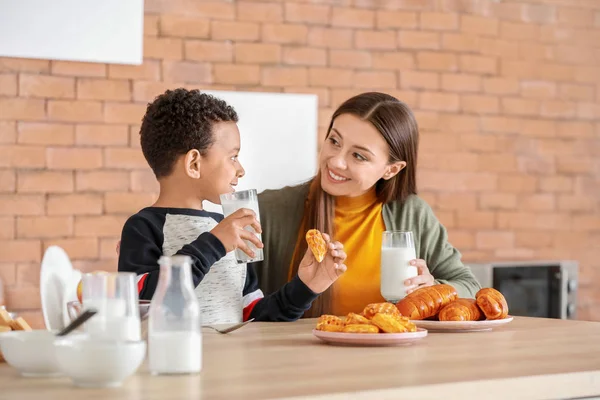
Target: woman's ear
x=192, y=164
x=393, y=169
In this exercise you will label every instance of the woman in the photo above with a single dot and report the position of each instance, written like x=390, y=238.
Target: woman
x=366, y=184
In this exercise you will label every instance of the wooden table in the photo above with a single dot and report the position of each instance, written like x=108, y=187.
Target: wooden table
x=528, y=358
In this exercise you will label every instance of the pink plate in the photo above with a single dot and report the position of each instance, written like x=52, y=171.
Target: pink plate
x=462, y=326
x=371, y=339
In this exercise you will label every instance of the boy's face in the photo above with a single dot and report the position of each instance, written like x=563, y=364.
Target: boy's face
x=220, y=167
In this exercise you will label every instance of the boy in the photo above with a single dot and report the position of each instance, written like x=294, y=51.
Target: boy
x=191, y=141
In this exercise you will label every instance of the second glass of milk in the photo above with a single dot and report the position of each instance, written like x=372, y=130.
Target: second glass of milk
x=397, y=250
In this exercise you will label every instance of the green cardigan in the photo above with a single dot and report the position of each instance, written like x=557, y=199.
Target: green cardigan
x=281, y=214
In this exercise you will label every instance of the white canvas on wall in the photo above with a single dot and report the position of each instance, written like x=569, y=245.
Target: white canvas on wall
x=278, y=133
x=106, y=31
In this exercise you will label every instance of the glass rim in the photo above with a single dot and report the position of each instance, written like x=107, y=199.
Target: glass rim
x=393, y=232
x=232, y=195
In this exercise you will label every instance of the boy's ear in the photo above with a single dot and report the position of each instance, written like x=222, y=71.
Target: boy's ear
x=192, y=164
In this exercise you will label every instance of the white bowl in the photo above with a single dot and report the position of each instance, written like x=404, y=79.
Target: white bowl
x=30, y=352
x=98, y=363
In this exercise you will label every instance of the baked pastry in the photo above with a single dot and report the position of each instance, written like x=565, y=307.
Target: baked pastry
x=389, y=323
x=19, y=324
x=352, y=319
x=380, y=308
x=316, y=244
x=461, y=310
x=492, y=303
x=5, y=318
x=427, y=301
x=360, y=328
x=330, y=323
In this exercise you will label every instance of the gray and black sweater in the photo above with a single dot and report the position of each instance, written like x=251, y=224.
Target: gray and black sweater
x=228, y=292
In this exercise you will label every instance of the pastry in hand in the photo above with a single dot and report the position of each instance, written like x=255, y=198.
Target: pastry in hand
x=360, y=328
x=353, y=319
x=461, y=310
x=492, y=303
x=330, y=323
x=316, y=244
x=380, y=308
x=389, y=323
x=427, y=301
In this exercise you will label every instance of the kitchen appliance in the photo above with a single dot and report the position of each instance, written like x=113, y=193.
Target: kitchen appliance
x=546, y=289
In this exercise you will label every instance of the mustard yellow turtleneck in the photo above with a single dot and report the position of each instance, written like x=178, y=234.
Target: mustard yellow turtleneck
x=359, y=226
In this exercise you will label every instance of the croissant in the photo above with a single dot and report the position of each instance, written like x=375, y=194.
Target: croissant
x=426, y=302
x=492, y=303
x=461, y=310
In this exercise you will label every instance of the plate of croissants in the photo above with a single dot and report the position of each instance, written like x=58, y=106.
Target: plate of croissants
x=438, y=308
x=379, y=324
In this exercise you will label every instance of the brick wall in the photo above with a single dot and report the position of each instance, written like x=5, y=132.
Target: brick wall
x=507, y=94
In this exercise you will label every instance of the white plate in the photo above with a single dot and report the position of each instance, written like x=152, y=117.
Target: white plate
x=462, y=326
x=371, y=339
x=55, y=276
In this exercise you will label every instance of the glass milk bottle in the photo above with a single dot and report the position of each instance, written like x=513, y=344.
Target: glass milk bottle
x=174, y=327
x=397, y=250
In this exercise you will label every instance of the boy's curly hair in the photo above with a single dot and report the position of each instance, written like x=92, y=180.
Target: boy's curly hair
x=178, y=121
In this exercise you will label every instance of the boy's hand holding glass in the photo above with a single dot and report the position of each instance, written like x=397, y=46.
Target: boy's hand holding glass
x=232, y=234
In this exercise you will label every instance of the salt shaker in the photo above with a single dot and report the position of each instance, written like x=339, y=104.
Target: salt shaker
x=174, y=326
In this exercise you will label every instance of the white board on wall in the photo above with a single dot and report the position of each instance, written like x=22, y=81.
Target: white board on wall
x=105, y=31
x=278, y=134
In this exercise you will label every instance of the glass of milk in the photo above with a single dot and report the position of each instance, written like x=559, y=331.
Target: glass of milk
x=115, y=297
x=174, y=324
x=232, y=202
x=397, y=250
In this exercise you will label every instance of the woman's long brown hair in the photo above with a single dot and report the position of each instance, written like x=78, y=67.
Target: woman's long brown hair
x=397, y=124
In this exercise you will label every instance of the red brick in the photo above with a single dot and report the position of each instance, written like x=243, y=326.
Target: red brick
x=73, y=68
x=163, y=48
x=8, y=132
x=461, y=239
x=303, y=56
x=8, y=272
x=22, y=109
x=420, y=80
x=19, y=298
x=455, y=161
x=46, y=86
x=75, y=111
x=498, y=163
x=108, y=248
x=324, y=119
x=13, y=204
x=585, y=74
x=352, y=18
x=519, y=31
x=475, y=219
x=457, y=181
x=24, y=65
x=501, y=124
x=538, y=89
x=519, y=69
x=331, y=77
x=284, y=76
x=458, y=123
x=418, y=40
x=575, y=165
x=286, y=33
x=557, y=72
x=184, y=26
x=558, y=109
x=325, y=37
x=577, y=203
x=44, y=227
x=396, y=19
x=439, y=101
x=538, y=128
x=117, y=157
x=460, y=42
x=556, y=184
x=538, y=13
x=74, y=204
x=499, y=48
x=73, y=158
x=517, y=183
x=150, y=25
x=588, y=110
x=479, y=104
x=8, y=180
x=134, y=136
x=147, y=91
x=143, y=181
x=117, y=202
x=338, y=96
x=457, y=201
x=393, y=60
x=21, y=250
x=495, y=240
x=499, y=201
x=501, y=85
x=577, y=17
x=22, y=156
x=44, y=181
x=45, y=133
x=374, y=80
x=101, y=181
x=350, y=58
x=573, y=55
x=586, y=223
x=375, y=40
x=307, y=13
x=516, y=106
x=76, y=248
x=438, y=21
x=204, y=50
x=124, y=113
x=446, y=219
x=97, y=226
x=237, y=74
x=483, y=26
x=187, y=72
x=409, y=97
x=101, y=135
x=576, y=92
x=238, y=31
x=533, y=239
x=8, y=84
x=149, y=70
x=478, y=64
x=575, y=129
x=461, y=83
x=437, y=61
x=103, y=89
x=437, y=143
x=479, y=143
x=538, y=202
